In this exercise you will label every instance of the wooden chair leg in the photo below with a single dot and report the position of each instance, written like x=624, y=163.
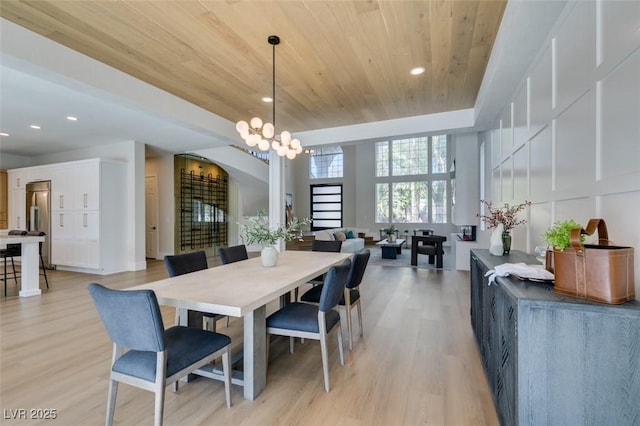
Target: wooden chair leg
x=111, y=401
x=5, y=277
x=359, y=305
x=347, y=306
x=159, y=407
x=226, y=370
x=349, y=327
x=267, y=349
x=325, y=362
x=339, y=333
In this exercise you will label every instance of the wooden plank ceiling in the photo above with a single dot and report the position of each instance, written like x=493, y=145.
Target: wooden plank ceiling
x=339, y=62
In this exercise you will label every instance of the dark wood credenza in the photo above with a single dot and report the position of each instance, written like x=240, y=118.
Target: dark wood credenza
x=552, y=359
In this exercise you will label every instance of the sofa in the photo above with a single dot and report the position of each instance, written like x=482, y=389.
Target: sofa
x=349, y=245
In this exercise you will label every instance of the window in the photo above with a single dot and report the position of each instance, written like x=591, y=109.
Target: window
x=412, y=180
x=326, y=206
x=202, y=212
x=326, y=162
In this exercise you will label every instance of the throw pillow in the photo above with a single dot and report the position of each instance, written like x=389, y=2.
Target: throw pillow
x=340, y=236
x=349, y=235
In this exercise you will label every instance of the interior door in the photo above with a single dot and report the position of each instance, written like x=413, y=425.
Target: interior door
x=151, y=216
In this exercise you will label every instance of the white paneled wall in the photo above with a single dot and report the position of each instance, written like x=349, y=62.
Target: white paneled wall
x=569, y=138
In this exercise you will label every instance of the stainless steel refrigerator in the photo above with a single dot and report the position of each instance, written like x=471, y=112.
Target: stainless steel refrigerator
x=39, y=214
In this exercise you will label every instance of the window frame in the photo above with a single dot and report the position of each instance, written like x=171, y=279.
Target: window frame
x=429, y=179
x=318, y=153
x=312, y=210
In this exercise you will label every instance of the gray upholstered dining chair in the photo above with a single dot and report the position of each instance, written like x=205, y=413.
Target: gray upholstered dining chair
x=186, y=263
x=11, y=251
x=155, y=357
x=351, y=298
x=233, y=254
x=314, y=321
x=325, y=246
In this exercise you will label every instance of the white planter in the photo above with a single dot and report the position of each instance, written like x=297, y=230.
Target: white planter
x=495, y=243
x=269, y=256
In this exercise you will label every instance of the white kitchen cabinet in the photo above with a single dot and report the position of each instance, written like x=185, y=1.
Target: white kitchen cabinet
x=38, y=174
x=87, y=238
x=62, y=238
x=17, y=203
x=97, y=204
x=62, y=188
x=87, y=187
x=88, y=203
x=62, y=225
x=17, y=179
x=87, y=226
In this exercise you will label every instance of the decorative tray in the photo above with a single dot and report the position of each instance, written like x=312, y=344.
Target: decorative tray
x=535, y=280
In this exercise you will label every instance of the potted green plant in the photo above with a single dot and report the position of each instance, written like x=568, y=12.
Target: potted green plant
x=557, y=236
x=257, y=231
x=391, y=233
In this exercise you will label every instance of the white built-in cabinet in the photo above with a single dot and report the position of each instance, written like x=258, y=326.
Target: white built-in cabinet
x=17, y=198
x=88, y=207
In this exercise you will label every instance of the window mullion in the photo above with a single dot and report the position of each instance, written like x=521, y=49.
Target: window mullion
x=390, y=184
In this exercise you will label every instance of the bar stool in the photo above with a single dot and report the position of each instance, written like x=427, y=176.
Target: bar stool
x=12, y=250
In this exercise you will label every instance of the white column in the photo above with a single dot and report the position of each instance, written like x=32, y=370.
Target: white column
x=276, y=193
x=30, y=275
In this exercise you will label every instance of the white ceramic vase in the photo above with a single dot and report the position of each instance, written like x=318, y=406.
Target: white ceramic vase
x=495, y=244
x=269, y=256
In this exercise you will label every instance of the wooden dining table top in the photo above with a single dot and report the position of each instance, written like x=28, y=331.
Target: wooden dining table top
x=238, y=288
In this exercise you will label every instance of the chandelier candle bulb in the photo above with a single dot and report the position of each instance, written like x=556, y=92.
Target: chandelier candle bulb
x=256, y=123
x=263, y=145
x=268, y=130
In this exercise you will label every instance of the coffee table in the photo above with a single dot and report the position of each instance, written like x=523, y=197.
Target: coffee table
x=391, y=250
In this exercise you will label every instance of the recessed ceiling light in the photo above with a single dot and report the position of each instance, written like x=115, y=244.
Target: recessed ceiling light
x=267, y=99
x=33, y=126
x=4, y=134
x=71, y=118
x=417, y=71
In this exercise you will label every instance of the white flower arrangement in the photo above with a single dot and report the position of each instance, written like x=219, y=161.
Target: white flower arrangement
x=257, y=230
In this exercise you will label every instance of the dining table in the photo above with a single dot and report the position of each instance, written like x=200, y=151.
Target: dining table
x=29, y=262
x=243, y=289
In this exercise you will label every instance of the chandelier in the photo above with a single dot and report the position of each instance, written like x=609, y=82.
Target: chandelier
x=262, y=135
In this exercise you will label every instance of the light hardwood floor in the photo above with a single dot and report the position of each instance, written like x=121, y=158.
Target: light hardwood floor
x=417, y=364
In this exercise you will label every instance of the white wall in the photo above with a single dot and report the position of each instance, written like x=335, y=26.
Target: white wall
x=569, y=139
x=466, y=154
x=163, y=168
